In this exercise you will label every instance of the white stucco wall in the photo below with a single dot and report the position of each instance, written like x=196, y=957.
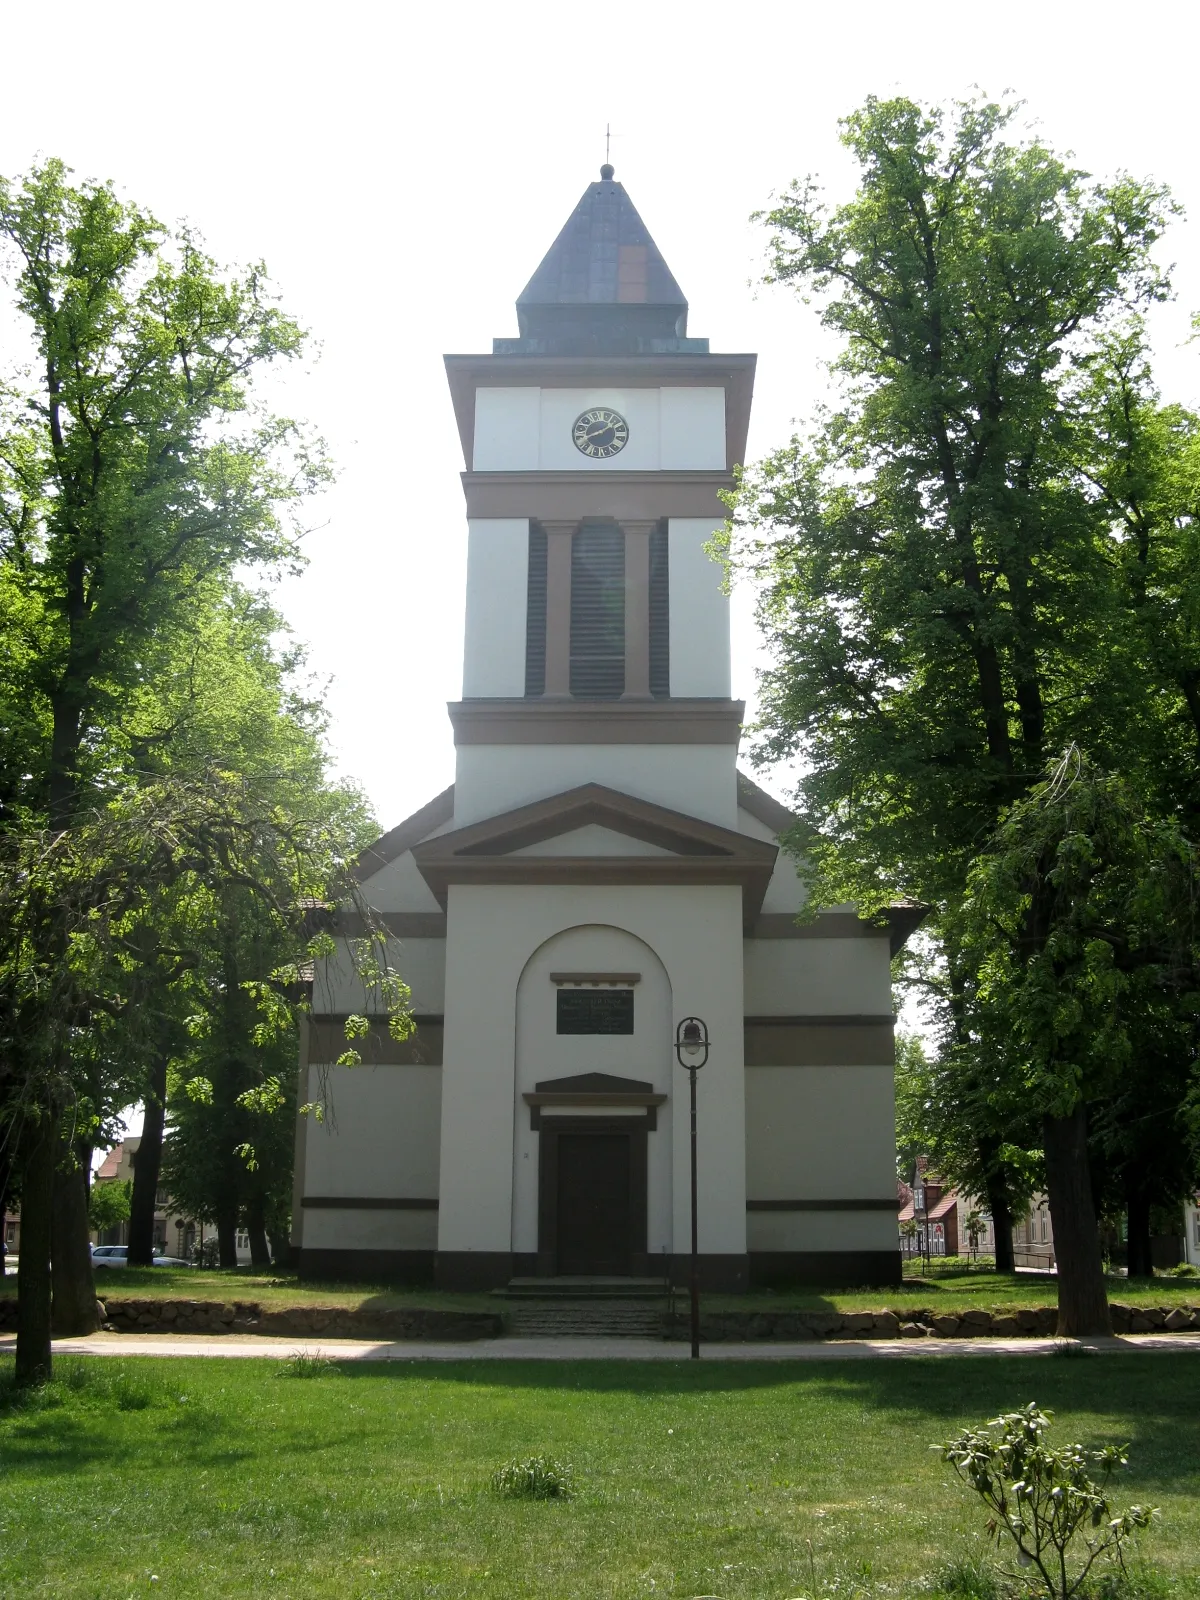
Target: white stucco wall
x=823, y=1133
x=398, y=886
x=817, y=977
x=695, y=931
x=592, y=840
x=379, y=1139
x=821, y=1230
x=530, y=429
x=694, y=778
x=541, y=1053
x=494, y=631
x=337, y=988
x=699, y=620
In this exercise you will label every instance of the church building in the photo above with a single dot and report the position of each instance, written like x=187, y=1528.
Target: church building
x=600, y=869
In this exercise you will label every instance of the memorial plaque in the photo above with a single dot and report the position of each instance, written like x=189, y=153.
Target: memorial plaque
x=595, y=1011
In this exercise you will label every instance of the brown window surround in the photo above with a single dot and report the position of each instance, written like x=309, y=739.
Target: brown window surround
x=558, y=662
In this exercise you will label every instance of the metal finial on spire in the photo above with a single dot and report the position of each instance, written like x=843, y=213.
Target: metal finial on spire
x=606, y=171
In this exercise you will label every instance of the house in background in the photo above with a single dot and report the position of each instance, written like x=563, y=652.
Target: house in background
x=940, y=1211
x=174, y=1234
x=1033, y=1237
x=1191, y=1231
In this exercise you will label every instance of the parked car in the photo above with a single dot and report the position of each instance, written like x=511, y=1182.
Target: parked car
x=109, y=1255
x=117, y=1255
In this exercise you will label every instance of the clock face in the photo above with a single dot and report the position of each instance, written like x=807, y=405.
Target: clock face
x=600, y=433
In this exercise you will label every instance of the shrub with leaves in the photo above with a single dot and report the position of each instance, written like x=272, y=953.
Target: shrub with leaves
x=1058, y=1516
x=535, y=1478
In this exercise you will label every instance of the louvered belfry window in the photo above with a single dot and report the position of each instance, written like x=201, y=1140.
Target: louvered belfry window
x=535, y=613
x=598, y=611
x=660, y=615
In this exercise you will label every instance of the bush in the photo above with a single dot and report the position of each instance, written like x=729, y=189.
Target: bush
x=535, y=1478
x=1042, y=1499
x=1183, y=1269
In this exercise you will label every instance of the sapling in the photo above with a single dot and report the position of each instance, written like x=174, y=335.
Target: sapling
x=1045, y=1500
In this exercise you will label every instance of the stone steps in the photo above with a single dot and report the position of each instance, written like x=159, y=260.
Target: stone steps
x=598, y=1319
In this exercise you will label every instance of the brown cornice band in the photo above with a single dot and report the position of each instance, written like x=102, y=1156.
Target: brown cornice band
x=551, y=497
x=890, y=1204
x=732, y=372
x=327, y=1041
x=895, y=924
x=840, y=1019
x=544, y=721
x=347, y=1202
x=400, y=924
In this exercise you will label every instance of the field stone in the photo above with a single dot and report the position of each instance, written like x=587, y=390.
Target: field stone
x=1027, y=1320
x=1178, y=1319
x=1154, y=1315
x=1139, y=1323
x=1005, y=1327
x=944, y=1325
x=858, y=1323
x=914, y=1330
x=887, y=1324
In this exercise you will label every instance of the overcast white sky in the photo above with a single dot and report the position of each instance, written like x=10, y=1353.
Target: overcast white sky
x=403, y=168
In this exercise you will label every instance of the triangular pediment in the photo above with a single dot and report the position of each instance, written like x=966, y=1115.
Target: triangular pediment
x=684, y=849
x=594, y=1083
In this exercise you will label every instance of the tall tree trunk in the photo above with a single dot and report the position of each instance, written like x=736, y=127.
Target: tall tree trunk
x=1082, y=1300
x=256, y=1228
x=999, y=1201
x=33, y=1266
x=74, y=1290
x=1137, y=1259
x=5, y=1176
x=147, y=1163
x=226, y=1238
x=281, y=1249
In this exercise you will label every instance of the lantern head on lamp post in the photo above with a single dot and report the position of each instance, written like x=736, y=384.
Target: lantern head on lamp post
x=691, y=1050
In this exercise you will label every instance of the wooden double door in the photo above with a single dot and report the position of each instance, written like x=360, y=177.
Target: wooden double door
x=592, y=1211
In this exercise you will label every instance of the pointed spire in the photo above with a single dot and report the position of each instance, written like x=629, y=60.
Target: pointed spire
x=603, y=285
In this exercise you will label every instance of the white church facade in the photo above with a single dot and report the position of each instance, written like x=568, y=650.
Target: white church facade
x=600, y=869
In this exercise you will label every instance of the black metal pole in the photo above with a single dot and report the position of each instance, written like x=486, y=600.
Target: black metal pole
x=695, y=1284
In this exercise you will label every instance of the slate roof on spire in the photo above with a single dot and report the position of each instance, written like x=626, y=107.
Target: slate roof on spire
x=603, y=286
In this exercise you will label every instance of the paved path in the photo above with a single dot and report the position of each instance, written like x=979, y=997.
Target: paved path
x=167, y=1344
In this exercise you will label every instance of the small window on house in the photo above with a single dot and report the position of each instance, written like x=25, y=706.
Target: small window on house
x=535, y=613
x=595, y=1011
x=598, y=612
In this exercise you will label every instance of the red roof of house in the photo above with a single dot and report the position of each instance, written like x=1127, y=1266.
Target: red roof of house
x=111, y=1164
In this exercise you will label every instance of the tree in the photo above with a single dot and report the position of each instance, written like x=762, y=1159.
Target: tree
x=935, y=572
x=1082, y=923
x=108, y=1204
x=132, y=474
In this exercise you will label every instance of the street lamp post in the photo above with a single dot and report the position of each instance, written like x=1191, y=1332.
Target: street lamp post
x=691, y=1050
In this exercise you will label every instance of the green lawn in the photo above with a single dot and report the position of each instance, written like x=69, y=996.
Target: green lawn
x=202, y=1479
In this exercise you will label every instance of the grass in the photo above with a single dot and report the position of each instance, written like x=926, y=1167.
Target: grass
x=948, y=1285
x=206, y=1479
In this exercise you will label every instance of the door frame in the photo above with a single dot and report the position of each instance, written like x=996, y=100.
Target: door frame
x=636, y=1129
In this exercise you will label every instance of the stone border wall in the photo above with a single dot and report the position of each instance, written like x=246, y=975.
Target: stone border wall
x=342, y=1322
x=247, y=1316
x=1034, y=1323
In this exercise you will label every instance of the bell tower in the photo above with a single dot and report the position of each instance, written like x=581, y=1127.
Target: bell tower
x=596, y=443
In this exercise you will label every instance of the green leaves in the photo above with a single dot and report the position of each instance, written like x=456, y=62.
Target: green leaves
x=1044, y=1500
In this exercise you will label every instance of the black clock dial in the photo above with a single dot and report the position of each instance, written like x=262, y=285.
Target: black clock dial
x=600, y=433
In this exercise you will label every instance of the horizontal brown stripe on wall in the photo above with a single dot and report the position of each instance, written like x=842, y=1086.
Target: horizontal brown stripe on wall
x=890, y=1204
x=836, y=1019
x=327, y=1041
x=828, y=925
x=348, y=1202
x=786, y=1042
